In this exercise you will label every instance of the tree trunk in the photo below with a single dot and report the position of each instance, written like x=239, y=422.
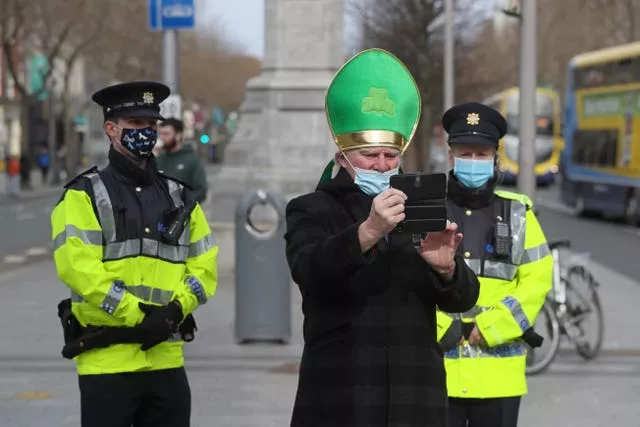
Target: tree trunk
x=71, y=140
x=25, y=152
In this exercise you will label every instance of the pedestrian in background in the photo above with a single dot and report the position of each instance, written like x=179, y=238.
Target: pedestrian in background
x=179, y=160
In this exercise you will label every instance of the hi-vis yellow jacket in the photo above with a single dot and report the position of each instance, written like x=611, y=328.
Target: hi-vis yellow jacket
x=111, y=265
x=511, y=296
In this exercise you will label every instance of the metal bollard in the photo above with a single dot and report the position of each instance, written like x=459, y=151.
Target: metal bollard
x=263, y=281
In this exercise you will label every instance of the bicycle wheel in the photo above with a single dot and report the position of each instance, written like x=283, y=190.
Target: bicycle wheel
x=547, y=325
x=581, y=307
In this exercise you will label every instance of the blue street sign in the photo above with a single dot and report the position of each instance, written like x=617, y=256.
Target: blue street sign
x=172, y=14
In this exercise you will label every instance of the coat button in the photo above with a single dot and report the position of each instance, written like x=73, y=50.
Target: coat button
x=467, y=254
x=138, y=189
x=468, y=213
x=147, y=230
x=464, y=390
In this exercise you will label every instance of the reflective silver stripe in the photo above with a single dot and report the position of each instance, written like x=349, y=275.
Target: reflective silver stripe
x=474, y=265
x=118, y=250
x=510, y=302
x=196, y=288
x=518, y=226
x=114, y=296
x=147, y=293
x=516, y=311
x=164, y=251
x=201, y=246
x=493, y=269
x=145, y=247
x=88, y=237
x=535, y=254
x=499, y=270
x=468, y=351
x=474, y=311
x=104, y=207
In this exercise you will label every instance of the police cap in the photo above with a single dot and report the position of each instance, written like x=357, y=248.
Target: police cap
x=132, y=99
x=474, y=124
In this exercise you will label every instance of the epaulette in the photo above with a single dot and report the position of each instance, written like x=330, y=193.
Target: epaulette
x=515, y=196
x=75, y=179
x=173, y=178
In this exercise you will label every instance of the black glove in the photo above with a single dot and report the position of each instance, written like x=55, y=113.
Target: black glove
x=159, y=323
x=532, y=338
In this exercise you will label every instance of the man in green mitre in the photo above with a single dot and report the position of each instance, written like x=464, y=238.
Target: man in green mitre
x=369, y=297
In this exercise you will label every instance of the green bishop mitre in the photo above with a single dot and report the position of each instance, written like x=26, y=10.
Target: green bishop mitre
x=373, y=100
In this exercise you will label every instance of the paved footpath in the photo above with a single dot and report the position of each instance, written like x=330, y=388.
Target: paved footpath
x=249, y=386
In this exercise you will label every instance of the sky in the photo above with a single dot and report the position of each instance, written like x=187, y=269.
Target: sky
x=241, y=20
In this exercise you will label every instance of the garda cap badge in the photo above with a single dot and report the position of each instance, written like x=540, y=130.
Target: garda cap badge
x=147, y=98
x=473, y=119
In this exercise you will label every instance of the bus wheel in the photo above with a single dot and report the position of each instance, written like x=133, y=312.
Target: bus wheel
x=631, y=210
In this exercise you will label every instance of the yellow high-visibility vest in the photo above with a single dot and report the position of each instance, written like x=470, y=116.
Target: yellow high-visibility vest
x=108, y=278
x=511, y=296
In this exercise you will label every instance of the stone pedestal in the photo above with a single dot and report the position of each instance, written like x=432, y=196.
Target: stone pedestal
x=283, y=141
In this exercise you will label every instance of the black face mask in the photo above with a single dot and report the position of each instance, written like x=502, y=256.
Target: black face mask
x=139, y=142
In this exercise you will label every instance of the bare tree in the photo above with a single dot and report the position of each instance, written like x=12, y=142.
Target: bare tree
x=413, y=31
x=565, y=29
x=126, y=50
x=58, y=30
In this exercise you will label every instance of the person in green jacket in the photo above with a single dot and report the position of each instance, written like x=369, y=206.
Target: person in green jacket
x=180, y=161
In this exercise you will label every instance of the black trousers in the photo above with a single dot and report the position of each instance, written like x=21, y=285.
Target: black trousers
x=500, y=412
x=138, y=399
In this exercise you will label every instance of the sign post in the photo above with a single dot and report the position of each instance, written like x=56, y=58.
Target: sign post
x=171, y=107
x=170, y=16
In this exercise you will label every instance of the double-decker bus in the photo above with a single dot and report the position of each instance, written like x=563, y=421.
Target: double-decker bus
x=549, y=142
x=600, y=165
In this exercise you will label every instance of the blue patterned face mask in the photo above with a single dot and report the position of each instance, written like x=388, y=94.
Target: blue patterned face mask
x=473, y=173
x=139, y=142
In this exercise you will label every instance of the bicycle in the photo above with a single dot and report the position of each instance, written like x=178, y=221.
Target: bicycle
x=565, y=309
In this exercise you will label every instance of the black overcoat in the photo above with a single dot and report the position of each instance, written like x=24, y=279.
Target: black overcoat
x=370, y=357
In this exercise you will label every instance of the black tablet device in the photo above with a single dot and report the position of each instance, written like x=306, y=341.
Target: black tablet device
x=426, y=204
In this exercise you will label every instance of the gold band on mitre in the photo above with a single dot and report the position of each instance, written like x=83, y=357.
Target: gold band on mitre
x=371, y=139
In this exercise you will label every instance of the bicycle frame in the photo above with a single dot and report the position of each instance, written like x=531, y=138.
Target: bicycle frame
x=560, y=269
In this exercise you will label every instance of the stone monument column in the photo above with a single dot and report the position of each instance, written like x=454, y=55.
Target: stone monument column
x=283, y=141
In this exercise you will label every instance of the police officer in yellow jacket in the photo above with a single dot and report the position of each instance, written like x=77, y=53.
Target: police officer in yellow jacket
x=505, y=246
x=132, y=284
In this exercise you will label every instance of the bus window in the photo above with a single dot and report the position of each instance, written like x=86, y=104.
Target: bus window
x=544, y=114
x=512, y=104
x=544, y=105
x=597, y=148
x=513, y=124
